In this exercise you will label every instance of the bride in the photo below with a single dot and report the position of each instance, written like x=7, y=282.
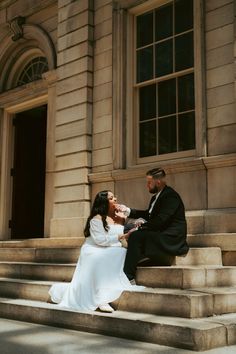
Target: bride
x=98, y=278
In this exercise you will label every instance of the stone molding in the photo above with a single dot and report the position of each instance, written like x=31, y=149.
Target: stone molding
x=16, y=27
x=5, y=3
x=40, y=41
x=31, y=31
x=119, y=87
x=140, y=172
x=220, y=161
x=50, y=77
x=20, y=94
x=204, y=163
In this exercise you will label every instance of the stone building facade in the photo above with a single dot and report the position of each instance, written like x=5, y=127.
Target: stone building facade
x=121, y=86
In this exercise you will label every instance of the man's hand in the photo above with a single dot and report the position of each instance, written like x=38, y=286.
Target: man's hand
x=119, y=218
x=139, y=222
x=124, y=209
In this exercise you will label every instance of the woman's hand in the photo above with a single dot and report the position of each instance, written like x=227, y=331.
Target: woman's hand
x=127, y=235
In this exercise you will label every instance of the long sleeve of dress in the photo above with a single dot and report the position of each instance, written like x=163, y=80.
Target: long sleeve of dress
x=102, y=237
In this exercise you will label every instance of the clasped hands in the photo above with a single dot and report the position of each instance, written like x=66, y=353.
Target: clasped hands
x=122, y=209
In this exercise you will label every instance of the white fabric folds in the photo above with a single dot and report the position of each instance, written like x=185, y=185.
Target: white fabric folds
x=98, y=278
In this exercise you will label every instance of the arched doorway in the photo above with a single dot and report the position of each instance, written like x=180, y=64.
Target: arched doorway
x=26, y=98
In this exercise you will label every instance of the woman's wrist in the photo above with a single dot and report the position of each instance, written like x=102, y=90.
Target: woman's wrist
x=120, y=237
x=123, y=241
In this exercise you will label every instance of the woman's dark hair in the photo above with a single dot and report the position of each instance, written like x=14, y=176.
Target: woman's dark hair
x=100, y=207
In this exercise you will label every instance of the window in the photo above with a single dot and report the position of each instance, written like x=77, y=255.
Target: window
x=33, y=71
x=164, y=53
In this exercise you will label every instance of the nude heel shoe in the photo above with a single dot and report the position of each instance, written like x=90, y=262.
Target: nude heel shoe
x=106, y=308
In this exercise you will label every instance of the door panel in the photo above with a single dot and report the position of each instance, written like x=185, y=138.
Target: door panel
x=28, y=173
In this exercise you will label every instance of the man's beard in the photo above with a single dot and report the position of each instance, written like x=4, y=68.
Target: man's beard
x=154, y=190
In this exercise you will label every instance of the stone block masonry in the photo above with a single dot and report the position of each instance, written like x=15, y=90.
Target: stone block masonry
x=73, y=116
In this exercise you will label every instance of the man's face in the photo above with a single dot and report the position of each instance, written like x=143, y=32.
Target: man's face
x=152, y=184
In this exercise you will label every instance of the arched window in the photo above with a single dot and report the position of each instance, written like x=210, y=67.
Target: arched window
x=33, y=70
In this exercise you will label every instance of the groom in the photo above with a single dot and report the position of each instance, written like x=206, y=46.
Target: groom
x=163, y=235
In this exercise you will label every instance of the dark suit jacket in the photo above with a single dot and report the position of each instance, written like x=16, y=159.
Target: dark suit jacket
x=166, y=225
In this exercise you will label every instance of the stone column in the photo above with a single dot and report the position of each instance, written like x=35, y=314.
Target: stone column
x=102, y=154
x=73, y=118
x=5, y=176
x=51, y=79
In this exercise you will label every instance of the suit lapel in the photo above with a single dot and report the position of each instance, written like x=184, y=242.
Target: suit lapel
x=158, y=200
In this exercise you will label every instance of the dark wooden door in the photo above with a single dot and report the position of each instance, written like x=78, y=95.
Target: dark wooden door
x=28, y=174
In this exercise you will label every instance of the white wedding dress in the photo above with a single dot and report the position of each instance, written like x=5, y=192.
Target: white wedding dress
x=98, y=278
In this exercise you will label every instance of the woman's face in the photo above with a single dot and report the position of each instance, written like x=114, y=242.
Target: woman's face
x=112, y=201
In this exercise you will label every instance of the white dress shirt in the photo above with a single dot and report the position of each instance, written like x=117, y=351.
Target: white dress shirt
x=154, y=201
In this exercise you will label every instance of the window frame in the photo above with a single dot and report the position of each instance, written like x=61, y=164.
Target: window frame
x=132, y=146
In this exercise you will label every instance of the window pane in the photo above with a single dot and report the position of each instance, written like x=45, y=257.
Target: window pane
x=167, y=135
x=144, y=29
x=145, y=64
x=183, y=15
x=164, y=22
x=33, y=70
x=147, y=139
x=166, y=97
x=164, y=58
x=184, y=51
x=147, y=102
x=186, y=92
x=186, y=131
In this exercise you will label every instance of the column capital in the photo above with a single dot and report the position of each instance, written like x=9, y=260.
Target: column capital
x=50, y=77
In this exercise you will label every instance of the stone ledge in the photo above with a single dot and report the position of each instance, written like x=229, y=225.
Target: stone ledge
x=190, y=334
x=164, y=302
x=183, y=165
x=226, y=241
x=43, y=242
x=187, y=277
x=211, y=221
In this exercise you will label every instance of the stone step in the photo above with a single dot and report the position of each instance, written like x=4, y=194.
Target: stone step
x=60, y=242
x=181, y=303
x=186, y=277
x=224, y=299
x=193, y=334
x=193, y=303
x=201, y=256
x=55, y=255
x=227, y=243
x=229, y=258
x=211, y=220
x=180, y=277
x=195, y=256
x=166, y=302
x=37, y=271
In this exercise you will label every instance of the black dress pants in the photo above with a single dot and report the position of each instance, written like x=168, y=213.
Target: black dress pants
x=137, y=250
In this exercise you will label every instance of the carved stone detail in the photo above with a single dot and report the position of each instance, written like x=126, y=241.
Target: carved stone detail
x=16, y=26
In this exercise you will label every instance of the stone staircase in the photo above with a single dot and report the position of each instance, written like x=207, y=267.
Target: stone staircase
x=190, y=305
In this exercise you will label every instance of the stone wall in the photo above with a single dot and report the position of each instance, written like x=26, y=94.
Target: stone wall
x=73, y=117
x=221, y=110
x=91, y=115
x=207, y=181
x=220, y=78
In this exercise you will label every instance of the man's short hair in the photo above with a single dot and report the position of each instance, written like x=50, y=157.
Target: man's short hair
x=156, y=173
